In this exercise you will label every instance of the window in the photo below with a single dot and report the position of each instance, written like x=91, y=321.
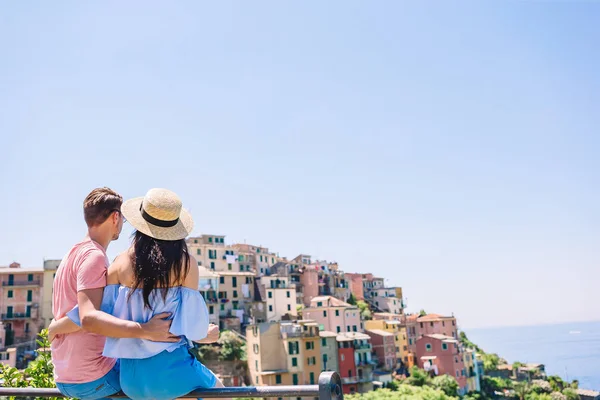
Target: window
x=338, y=329
x=312, y=378
x=211, y=309
x=289, y=307
x=421, y=324
x=431, y=324
x=324, y=358
x=295, y=379
x=310, y=345
x=444, y=346
x=348, y=328
x=212, y=265
x=319, y=304
x=354, y=328
x=278, y=379
x=30, y=277
x=198, y=252
x=270, y=294
x=324, y=313
x=323, y=342
x=342, y=357
x=455, y=360
x=234, y=281
x=337, y=313
x=221, y=279
x=209, y=240
x=229, y=267
x=257, y=380
x=397, y=349
x=443, y=323
x=196, y=241
x=410, y=342
x=293, y=347
x=428, y=347
x=294, y=362
x=256, y=365
x=457, y=374
x=10, y=294
x=261, y=258
x=234, y=294
x=222, y=295
x=222, y=307
x=255, y=348
x=453, y=323
x=270, y=308
x=287, y=293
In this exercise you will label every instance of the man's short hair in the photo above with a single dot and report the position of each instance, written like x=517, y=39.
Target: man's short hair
x=99, y=204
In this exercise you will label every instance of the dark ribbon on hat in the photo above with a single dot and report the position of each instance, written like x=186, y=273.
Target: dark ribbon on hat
x=158, y=222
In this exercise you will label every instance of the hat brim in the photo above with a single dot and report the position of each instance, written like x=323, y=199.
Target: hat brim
x=131, y=210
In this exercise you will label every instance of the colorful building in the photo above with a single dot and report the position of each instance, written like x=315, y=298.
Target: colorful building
x=396, y=328
x=385, y=299
x=471, y=371
x=355, y=282
x=334, y=315
x=50, y=267
x=434, y=324
x=208, y=285
x=280, y=297
x=329, y=351
x=384, y=347
x=355, y=360
x=284, y=353
x=235, y=294
x=21, y=303
x=442, y=355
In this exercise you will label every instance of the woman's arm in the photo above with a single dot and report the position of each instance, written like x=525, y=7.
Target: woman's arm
x=213, y=335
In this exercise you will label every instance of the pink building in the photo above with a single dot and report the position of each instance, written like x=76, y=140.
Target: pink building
x=384, y=346
x=20, y=303
x=310, y=284
x=442, y=355
x=355, y=281
x=432, y=324
x=333, y=315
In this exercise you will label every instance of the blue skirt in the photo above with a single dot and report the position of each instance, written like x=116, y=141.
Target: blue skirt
x=165, y=376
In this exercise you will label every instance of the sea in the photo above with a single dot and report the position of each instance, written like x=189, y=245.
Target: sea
x=570, y=350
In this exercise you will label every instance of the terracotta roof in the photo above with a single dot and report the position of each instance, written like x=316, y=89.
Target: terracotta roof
x=432, y=317
x=442, y=337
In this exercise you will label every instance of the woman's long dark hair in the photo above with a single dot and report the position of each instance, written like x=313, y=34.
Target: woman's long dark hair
x=157, y=264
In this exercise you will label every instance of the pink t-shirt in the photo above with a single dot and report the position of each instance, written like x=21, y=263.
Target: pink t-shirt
x=77, y=357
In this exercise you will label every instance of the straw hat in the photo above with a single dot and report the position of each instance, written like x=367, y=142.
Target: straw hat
x=159, y=215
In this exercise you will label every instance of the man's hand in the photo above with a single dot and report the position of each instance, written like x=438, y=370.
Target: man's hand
x=212, y=336
x=213, y=333
x=157, y=329
x=52, y=330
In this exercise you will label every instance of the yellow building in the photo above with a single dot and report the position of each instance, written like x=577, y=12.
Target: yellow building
x=236, y=294
x=50, y=267
x=470, y=361
x=284, y=353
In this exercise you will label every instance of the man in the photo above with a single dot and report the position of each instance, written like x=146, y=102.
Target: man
x=80, y=369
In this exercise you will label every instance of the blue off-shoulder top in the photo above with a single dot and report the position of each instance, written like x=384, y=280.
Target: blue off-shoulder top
x=188, y=310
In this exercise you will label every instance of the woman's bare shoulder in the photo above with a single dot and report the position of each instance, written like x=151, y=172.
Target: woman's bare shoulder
x=121, y=270
x=193, y=274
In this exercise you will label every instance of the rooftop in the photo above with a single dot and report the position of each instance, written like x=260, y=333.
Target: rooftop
x=432, y=317
x=327, y=334
x=587, y=392
x=233, y=273
x=12, y=269
x=447, y=339
x=347, y=336
x=331, y=302
x=380, y=332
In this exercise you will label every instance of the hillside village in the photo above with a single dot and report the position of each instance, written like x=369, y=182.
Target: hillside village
x=298, y=317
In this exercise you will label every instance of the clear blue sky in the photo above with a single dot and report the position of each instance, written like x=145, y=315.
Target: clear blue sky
x=452, y=148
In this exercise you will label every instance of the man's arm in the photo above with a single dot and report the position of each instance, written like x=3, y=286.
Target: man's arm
x=62, y=326
x=95, y=321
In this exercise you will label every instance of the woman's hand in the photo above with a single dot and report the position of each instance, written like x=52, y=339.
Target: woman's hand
x=52, y=330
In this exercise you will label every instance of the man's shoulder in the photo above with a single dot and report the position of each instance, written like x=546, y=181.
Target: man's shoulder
x=89, y=251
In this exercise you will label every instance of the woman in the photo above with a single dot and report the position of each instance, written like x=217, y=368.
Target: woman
x=156, y=275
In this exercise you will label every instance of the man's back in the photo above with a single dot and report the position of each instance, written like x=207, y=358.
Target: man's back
x=77, y=357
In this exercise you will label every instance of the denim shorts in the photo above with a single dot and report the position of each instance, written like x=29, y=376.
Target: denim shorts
x=165, y=376
x=99, y=389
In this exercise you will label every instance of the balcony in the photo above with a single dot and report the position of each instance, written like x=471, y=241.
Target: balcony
x=362, y=347
x=35, y=282
x=16, y=316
